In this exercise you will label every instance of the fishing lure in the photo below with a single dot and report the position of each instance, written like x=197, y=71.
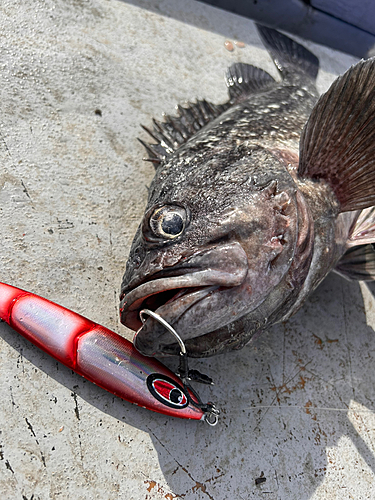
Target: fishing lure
x=104, y=357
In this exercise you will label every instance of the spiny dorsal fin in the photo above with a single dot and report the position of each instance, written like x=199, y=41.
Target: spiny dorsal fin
x=338, y=141
x=244, y=79
x=175, y=131
x=287, y=53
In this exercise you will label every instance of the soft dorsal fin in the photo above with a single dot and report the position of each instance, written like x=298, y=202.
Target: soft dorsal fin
x=175, y=131
x=244, y=79
x=288, y=55
x=338, y=141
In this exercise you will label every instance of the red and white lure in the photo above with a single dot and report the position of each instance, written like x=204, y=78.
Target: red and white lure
x=101, y=356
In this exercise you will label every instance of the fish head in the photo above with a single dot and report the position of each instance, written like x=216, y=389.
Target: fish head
x=218, y=234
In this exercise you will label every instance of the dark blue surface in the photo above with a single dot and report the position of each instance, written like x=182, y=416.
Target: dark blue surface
x=343, y=25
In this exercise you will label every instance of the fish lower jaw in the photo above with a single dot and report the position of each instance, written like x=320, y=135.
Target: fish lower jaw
x=153, y=338
x=163, y=302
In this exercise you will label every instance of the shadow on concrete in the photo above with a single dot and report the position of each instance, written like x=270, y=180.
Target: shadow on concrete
x=287, y=395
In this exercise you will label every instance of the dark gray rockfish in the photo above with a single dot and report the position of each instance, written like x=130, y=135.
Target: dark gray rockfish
x=253, y=203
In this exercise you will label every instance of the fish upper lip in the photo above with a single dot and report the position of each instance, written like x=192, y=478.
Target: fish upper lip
x=226, y=276
x=196, y=279
x=174, y=271
x=132, y=302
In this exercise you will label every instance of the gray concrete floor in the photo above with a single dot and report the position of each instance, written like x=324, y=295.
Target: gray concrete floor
x=297, y=406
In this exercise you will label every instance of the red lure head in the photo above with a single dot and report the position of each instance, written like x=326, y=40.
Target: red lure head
x=167, y=391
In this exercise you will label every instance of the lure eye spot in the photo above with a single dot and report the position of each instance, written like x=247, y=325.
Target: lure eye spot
x=167, y=391
x=176, y=396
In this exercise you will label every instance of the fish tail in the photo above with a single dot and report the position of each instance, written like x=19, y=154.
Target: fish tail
x=288, y=55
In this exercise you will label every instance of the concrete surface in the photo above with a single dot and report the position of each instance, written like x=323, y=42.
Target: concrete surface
x=77, y=79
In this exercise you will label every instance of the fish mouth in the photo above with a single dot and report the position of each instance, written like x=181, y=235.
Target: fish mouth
x=175, y=297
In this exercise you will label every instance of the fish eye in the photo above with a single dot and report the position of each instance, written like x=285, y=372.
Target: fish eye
x=168, y=222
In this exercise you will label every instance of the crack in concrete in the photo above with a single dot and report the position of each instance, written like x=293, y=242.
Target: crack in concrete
x=80, y=446
x=31, y=428
x=6, y=146
x=11, y=396
x=76, y=409
x=346, y=339
x=278, y=391
x=330, y=384
x=198, y=485
x=25, y=190
x=2, y=138
x=7, y=463
x=36, y=440
x=8, y=466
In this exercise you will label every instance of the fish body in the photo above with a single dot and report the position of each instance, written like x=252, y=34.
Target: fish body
x=253, y=203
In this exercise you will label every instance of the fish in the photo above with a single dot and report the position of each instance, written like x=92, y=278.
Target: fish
x=253, y=203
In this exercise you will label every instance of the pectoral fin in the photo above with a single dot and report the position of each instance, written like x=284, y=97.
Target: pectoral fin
x=358, y=263
x=363, y=230
x=338, y=141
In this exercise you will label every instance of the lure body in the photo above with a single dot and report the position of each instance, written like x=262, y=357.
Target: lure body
x=97, y=354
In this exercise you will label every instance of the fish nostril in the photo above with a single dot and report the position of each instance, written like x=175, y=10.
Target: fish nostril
x=137, y=261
